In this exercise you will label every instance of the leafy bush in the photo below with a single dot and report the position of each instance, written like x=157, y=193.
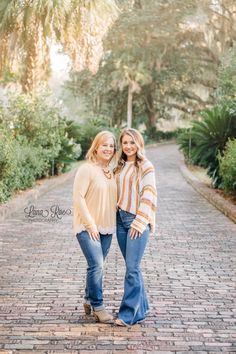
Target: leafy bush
x=30, y=163
x=228, y=166
x=42, y=125
x=20, y=164
x=6, y=169
x=35, y=141
x=87, y=132
x=202, y=143
x=39, y=123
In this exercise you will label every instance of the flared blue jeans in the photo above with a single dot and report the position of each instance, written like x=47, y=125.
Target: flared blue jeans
x=134, y=305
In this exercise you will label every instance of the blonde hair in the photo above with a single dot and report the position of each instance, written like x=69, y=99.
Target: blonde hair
x=99, y=138
x=139, y=142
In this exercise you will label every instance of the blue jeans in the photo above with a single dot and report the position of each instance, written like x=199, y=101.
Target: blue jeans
x=134, y=305
x=95, y=253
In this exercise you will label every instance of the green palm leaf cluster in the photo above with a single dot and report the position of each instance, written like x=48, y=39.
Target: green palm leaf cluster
x=207, y=138
x=27, y=29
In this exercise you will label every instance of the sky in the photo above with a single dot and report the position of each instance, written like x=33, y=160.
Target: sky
x=60, y=66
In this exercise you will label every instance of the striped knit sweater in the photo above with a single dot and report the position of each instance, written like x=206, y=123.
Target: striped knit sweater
x=137, y=194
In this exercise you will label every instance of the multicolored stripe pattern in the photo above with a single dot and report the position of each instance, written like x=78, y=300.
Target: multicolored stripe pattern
x=137, y=193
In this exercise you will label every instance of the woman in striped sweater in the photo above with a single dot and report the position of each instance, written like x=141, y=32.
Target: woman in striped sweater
x=135, y=178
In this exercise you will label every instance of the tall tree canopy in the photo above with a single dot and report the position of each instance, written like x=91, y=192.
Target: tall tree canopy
x=28, y=27
x=155, y=57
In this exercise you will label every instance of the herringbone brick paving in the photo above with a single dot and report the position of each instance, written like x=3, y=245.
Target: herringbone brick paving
x=189, y=270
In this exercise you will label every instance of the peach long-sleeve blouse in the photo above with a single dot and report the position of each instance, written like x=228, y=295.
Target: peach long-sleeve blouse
x=94, y=200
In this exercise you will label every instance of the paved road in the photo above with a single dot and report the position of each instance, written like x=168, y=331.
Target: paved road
x=189, y=269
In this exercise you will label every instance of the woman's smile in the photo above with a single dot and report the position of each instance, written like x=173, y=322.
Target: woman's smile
x=129, y=147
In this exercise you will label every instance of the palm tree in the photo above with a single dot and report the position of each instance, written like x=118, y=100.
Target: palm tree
x=27, y=27
x=131, y=75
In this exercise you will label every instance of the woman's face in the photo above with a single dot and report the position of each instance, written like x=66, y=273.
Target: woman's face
x=129, y=147
x=106, y=150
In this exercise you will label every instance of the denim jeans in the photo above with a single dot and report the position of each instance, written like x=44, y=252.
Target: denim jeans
x=95, y=253
x=134, y=305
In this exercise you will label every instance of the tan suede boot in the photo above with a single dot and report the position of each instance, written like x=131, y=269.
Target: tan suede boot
x=103, y=316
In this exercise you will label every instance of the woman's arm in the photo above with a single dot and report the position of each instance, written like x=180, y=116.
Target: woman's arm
x=148, y=198
x=81, y=185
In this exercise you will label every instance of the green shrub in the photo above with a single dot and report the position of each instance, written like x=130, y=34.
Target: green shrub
x=43, y=126
x=20, y=164
x=29, y=163
x=35, y=141
x=202, y=143
x=37, y=121
x=6, y=168
x=87, y=132
x=69, y=150
x=228, y=166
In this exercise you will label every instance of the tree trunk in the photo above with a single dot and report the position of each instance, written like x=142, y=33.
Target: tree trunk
x=129, y=106
x=150, y=110
x=29, y=78
x=137, y=5
x=3, y=56
x=27, y=81
x=151, y=119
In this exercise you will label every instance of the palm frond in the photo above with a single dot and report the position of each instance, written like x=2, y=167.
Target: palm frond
x=209, y=137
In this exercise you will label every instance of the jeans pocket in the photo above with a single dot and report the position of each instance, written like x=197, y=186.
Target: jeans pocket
x=126, y=218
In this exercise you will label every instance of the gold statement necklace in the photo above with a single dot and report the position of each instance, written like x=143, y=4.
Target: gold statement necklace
x=107, y=173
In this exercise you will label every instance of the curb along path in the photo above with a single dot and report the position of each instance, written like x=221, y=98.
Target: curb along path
x=189, y=270
x=226, y=207
x=30, y=196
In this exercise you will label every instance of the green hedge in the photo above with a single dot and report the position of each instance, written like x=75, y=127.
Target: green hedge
x=228, y=167
x=35, y=141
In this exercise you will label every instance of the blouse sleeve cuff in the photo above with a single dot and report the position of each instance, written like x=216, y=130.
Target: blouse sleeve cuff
x=91, y=228
x=139, y=225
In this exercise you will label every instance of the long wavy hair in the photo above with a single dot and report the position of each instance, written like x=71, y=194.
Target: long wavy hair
x=139, y=142
x=99, y=139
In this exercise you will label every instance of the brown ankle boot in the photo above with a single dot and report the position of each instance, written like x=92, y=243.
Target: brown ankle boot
x=87, y=309
x=103, y=316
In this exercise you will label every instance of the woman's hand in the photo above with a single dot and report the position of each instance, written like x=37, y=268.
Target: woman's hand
x=95, y=236
x=134, y=233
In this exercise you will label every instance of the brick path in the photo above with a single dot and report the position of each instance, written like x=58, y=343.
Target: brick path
x=189, y=268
